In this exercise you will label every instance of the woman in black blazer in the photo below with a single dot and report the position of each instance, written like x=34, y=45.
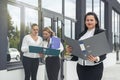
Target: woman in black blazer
x=91, y=69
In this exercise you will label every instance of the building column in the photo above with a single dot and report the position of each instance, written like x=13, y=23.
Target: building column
x=3, y=34
x=80, y=13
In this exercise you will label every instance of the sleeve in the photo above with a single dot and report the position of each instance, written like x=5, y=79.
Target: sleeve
x=61, y=47
x=24, y=47
x=74, y=58
x=101, y=58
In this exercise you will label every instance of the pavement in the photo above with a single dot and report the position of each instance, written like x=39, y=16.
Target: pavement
x=112, y=72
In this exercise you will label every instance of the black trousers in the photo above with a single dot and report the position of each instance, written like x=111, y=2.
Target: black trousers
x=52, y=67
x=90, y=72
x=30, y=67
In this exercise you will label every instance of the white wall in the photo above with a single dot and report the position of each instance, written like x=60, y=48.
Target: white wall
x=19, y=74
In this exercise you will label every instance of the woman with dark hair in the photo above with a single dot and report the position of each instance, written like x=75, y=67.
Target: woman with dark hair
x=92, y=68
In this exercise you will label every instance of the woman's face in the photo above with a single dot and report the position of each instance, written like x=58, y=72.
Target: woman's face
x=90, y=22
x=46, y=35
x=35, y=30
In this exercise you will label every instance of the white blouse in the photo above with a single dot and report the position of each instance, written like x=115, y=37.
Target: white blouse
x=28, y=41
x=88, y=34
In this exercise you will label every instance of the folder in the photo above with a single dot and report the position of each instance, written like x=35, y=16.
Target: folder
x=35, y=49
x=49, y=51
x=46, y=51
x=97, y=45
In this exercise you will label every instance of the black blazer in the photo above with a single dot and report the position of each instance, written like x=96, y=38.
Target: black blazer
x=97, y=30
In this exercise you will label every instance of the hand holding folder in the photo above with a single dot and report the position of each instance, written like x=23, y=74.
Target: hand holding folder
x=96, y=46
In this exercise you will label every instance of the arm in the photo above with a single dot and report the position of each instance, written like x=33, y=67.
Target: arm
x=24, y=47
x=96, y=59
x=102, y=57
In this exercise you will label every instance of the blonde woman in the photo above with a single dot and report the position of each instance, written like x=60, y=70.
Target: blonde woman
x=52, y=62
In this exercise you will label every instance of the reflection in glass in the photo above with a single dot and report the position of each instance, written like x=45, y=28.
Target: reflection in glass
x=53, y=5
x=47, y=22
x=70, y=8
x=31, y=2
x=67, y=28
x=14, y=32
x=31, y=16
x=88, y=6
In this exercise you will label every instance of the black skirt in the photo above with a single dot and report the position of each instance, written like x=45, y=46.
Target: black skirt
x=90, y=72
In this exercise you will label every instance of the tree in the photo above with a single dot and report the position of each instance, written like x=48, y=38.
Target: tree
x=13, y=33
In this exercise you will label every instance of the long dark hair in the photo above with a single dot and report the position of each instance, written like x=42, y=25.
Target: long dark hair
x=96, y=18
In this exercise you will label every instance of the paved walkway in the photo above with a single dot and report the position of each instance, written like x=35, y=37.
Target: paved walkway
x=112, y=73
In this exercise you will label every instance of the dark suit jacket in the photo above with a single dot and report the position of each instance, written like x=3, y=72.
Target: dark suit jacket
x=75, y=58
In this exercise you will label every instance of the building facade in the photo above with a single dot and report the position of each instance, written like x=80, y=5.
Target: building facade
x=65, y=17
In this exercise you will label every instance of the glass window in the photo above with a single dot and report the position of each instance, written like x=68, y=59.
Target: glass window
x=47, y=22
x=68, y=28
x=53, y=5
x=70, y=8
x=118, y=1
x=31, y=16
x=14, y=32
x=118, y=27
x=97, y=7
x=102, y=15
x=88, y=6
x=73, y=30
x=31, y=2
x=59, y=30
x=113, y=25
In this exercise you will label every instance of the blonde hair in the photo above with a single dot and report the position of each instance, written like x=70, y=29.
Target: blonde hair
x=49, y=30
